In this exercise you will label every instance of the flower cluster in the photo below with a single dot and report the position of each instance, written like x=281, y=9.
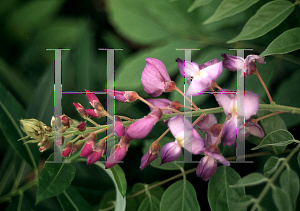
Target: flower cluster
x=156, y=80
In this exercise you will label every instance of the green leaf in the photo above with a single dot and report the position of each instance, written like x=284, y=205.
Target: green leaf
x=20, y=203
x=289, y=181
x=229, y=8
x=156, y=163
x=149, y=204
x=276, y=138
x=157, y=192
x=271, y=165
x=288, y=93
x=198, y=3
x=71, y=200
x=181, y=195
x=281, y=199
x=120, y=179
x=54, y=179
x=220, y=195
x=120, y=203
x=244, y=202
x=287, y=42
x=265, y=19
x=250, y=180
x=10, y=114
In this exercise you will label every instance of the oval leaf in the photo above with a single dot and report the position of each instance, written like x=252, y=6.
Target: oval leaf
x=281, y=199
x=149, y=204
x=54, y=179
x=10, y=113
x=276, y=138
x=219, y=186
x=289, y=181
x=271, y=165
x=266, y=18
x=180, y=196
x=229, y=8
x=120, y=179
x=250, y=179
x=287, y=42
x=198, y=3
x=71, y=200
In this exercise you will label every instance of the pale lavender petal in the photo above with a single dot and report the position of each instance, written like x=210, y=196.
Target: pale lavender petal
x=213, y=71
x=187, y=69
x=209, y=63
x=227, y=99
x=229, y=131
x=206, y=122
x=198, y=86
x=160, y=103
x=254, y=129
x=206, y=168
x=232, y=63
x=170, y=152
x=251, y=103
x=214, y=152
x=176, y=124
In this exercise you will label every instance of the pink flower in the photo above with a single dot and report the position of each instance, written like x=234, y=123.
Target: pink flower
x=81, y=126
x=89, y=146
x=164, y=103
x=122, y=96
x=95, y=113
x=203, y=75
x=118, y=127
x=94, y=101
x=81, y=110
x=67, y=149
x=97, y=153
x=206, y=168
x=141, y=128
x=250, y=66
x=155, y=78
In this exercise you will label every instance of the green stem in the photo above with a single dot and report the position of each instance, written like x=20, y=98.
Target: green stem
x=274, y=177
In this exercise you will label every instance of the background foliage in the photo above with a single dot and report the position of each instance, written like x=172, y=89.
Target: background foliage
x=142, y=29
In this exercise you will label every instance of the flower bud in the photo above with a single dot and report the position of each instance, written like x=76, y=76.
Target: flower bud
x=118, y=127
x=67, y=149
x=81, y=126
x=151, y=155
x=94, y=101
x=76, y=146
x=170, y=152
x=122, y=96
x=89, y=146
x=206, y=168
x=250, y=66
x=95, y=113
x=65, y=120
x=84, y=136
x=60, y=141
x=33, y=128
x=81, y=110
x=155, y=78
x=118, y=153
x=232, y=63
x=141, y=128
x=97, y=153
x=46, y=146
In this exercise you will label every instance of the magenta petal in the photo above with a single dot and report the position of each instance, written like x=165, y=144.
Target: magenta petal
x=251, y=103
x=227, y=99
x=93, y=113
x=229, y=132
x=147, y=159
x=89, y=146
x=94, y=157
x=141, y=128
x=160, y=103
x=254, y=129
x=187, y=69
x=170, y=152
x=118, y=155
x=206, y=168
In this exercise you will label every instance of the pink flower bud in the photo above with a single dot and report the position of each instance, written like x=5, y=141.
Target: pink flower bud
x=76, y=146
x=122, y=96
x=151, y=155
x=67, y=149
x=118, y=127
x=232, y=63
x=89, y=146
x=206, y=168
x=118, y=153
x=155, y=78
x=95, y=113
x=81, y=126
x=94, y=101
x=65, y=120
x=97, y=153
x=81, y=110
x=141, y=128
x=170, y=152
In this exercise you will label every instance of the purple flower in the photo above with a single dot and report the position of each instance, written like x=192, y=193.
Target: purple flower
x=122, y=96
x=229, y=103
x=250, y=66
x=214, y=152
x=203, y=75
x=94, y=101
x=210, y=126
x=206, y=168
x=150, y=155
x=118, y=153
x=89, y=146
x=155, y=78
x=254, y=129
x=164, y=103
x=141, y=128
x=170, y=152
x=232, y=63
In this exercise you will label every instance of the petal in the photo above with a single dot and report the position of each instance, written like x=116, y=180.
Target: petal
x=147, y=159
x=117, y=155
x=197, y=144
x=251, y=103
x=215, y=153
x=187, y=69
x=229, y=132
x=206, y=122
x=209, y=63
x=170, y=152
x=198, y=86
x=176, y=125
x=227, y=99
x=254, y=129
x=160, y=103
x=213, y=71
x=232, y=63
x=206, y=168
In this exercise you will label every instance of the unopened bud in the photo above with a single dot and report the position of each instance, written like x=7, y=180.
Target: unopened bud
x=150, y=155
x=81, y=126
x=122, y=96
x=67, y=149
x=81, y=110
x=89, y=146
x=76, y=146
x=95, y=113
x=94, y=101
